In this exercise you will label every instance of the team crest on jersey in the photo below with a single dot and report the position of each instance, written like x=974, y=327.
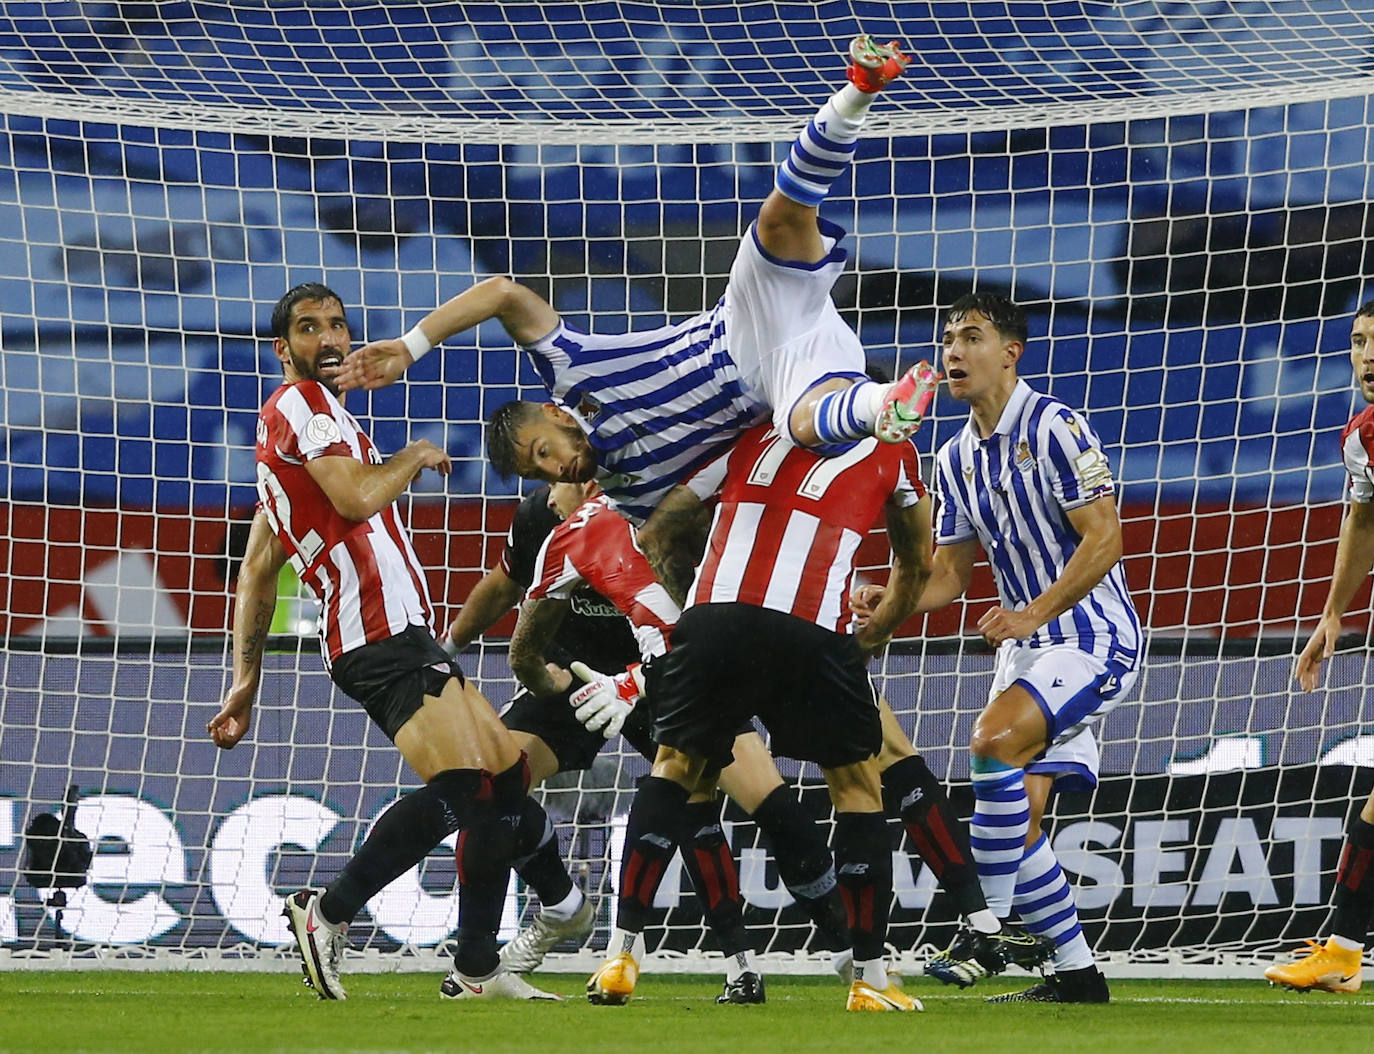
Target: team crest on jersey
x=588, y=408
x=1025, y=460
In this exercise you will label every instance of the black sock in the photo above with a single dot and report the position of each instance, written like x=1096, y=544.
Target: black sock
x=543, y=869
x=512, y=825
x=863, y=853
x=912, y=794
x=711, y=866
x=652, y=836
x=1353, y=900
x=401, y=838
x=805, y=864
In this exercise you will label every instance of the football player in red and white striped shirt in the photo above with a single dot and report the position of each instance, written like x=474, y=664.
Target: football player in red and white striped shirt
x=328, y=506
x=592, y=556
x=767, y=633
x=1337, y=964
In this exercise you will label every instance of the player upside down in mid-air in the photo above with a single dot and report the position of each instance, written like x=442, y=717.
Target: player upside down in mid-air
x=639, y=411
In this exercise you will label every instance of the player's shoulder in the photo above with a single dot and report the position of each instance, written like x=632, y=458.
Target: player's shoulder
x=1362, y=422
x=594, y=534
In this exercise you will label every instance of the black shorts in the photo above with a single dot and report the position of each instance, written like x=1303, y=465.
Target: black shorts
x=808, y=685
x=553, y=720
x=392, y=677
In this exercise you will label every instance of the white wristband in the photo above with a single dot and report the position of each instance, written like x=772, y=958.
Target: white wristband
x=416, y=343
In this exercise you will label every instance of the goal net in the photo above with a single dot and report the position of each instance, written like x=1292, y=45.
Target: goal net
x=1177, y=193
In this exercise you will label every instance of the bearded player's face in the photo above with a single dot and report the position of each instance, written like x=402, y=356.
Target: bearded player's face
x=553, y=449
x=316, y=342
x=1362, y=355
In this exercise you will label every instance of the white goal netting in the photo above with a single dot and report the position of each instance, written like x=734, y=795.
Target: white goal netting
x=1177, y=192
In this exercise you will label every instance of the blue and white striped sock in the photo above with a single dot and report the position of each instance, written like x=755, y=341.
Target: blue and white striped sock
x=998, y=830
x=822, y=153
x=849, y=413
x=1044, y=901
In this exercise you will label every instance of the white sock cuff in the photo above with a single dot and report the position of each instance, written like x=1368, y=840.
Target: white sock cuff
x=565, y=908
x=851, y=104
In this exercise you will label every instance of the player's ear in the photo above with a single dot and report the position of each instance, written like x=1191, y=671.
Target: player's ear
x=280, y=350
x=557, y=414
x=1014, y=350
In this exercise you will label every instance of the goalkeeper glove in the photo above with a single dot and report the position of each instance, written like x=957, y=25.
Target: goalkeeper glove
x=604, y=703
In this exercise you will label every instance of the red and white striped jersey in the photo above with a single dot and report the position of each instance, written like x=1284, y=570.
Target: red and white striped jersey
x=789, y=522
x=366, y=576
x=596, y=547
x=1357, y=451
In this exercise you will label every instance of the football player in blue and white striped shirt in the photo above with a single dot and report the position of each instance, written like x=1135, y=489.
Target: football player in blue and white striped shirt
x=641, y=411
x=1028, y=483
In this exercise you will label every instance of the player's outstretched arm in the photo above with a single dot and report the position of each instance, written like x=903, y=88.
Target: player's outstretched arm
x=951, y=571
x=490, y=598
x=1354, y=560
x=358, y=491
x=525, y=314
x=254, y=603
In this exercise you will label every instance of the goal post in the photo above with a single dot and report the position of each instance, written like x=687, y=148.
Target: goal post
x=1179, y=200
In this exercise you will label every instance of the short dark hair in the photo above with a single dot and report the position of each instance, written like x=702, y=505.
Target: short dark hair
x=1365, y=310
x=281, y=314
x=1008, y=317
x=508, y=419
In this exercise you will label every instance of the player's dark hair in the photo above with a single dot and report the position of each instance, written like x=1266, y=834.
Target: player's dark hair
x=1365, y=310
x=281, y=314
x=1008, y=317
x=502, y=426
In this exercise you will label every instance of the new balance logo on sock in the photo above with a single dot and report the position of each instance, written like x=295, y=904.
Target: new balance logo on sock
x=856, y=868
x=658, y=840
x=912, y=798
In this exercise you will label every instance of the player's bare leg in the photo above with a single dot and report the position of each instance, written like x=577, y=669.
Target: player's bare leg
x=838, y=411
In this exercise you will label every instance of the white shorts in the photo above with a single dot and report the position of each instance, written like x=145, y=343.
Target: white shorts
x=781, y=327
x=1074, y=691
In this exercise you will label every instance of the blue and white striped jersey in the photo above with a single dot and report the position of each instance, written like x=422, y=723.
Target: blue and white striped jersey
x=656, y=405
x=1011, y=491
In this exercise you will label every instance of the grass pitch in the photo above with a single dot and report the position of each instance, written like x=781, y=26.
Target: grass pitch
x=140, y=1011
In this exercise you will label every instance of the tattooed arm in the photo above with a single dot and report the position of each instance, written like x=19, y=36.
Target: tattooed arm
x=534, y=629
x=674, y=538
